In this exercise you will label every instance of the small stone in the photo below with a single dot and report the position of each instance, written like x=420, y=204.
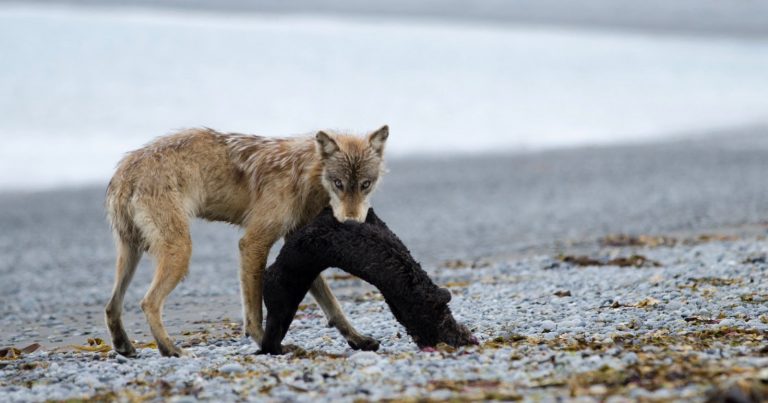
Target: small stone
x=727, y=322
x=364, y=358
x=629, y=358
x=373, y=369
x=548, y=326
x=598, y=390
x=232, y=368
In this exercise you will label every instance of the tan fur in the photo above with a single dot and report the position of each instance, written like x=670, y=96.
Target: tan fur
x=269, y=186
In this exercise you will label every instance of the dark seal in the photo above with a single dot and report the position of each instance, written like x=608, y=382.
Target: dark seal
x=371, y=252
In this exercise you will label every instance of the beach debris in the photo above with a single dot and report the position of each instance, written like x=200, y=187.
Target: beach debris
x=12, y=353
x=654, y=241
x=647, y=302
x=9, y=353
x=696, y=320
x=754, y=298
x=637, y=261
x=149, y=344
x=456, y=284
x=95, y=345
x=463, y=264
x=756, y=259
x=695, y=283
x=624, y=240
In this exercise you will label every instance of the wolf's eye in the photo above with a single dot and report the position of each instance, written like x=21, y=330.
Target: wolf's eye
x=338, y=184
x=365, y=185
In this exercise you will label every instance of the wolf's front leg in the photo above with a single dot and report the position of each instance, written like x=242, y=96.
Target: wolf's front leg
x=254, y=248
x=330, y=306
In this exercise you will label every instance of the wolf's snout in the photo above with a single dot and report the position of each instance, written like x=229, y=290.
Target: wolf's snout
x=355, y=218
x=352, y=215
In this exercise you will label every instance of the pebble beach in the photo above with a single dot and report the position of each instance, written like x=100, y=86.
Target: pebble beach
x=578, y=282
x=587, y=180
x=633, y=318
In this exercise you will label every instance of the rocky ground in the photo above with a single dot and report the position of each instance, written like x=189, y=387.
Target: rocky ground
x=625, y=318
x=560, y=309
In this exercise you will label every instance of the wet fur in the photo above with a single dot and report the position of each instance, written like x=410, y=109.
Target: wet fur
x=373, y=253
x=268, y=186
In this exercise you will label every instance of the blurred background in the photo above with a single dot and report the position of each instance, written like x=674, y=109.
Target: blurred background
x=83, y=81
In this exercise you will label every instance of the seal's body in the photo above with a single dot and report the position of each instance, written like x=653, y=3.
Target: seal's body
x=371, y=252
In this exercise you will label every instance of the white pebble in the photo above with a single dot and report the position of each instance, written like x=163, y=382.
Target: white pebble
x=232, y=368
x=548, y=325
x=364, y=358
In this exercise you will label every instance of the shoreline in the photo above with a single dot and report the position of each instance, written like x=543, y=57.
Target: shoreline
x=658, y=18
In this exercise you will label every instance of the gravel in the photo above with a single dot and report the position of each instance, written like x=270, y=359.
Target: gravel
x=547, y=328
x=534, y=344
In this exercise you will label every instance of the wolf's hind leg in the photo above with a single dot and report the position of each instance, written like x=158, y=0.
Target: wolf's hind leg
x=128, y=256
x=336, y=318
x=172, y=266
x=166, y=228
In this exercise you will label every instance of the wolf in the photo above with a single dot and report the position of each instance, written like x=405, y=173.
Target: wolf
x=268, y=186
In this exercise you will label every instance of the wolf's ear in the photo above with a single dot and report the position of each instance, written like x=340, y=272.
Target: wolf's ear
x=326, y=145
x=378, y=138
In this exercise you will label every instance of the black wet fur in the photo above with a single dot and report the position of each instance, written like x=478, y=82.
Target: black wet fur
x=371, y=252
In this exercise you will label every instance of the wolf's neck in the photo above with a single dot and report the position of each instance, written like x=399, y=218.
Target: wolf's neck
x=314, y=197
x=292, y=164
x=267, y=159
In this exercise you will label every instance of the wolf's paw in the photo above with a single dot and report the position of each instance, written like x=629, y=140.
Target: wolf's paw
x=126, y=350
x=170, y=351
x=256, y=333
x=364, y=343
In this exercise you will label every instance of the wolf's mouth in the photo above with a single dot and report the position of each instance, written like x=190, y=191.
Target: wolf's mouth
x=344, y=218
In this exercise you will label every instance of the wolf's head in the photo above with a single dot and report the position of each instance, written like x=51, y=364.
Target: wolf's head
x=351, y=169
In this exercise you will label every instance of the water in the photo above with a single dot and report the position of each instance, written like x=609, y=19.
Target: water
x=79, y=87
